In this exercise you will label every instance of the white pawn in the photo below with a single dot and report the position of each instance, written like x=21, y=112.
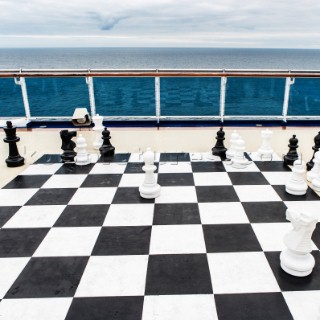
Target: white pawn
x=265, y=150
x=82, y=157
x=315, y=171
x=149, y=189
x=239, y=160
x=231, y=150
x=296, y=259
x=296, y=184
x=98, y=128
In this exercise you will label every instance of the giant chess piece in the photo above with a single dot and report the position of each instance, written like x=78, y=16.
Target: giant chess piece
x=98, y=128
x=296, y=184
x=239, y=161
x=315, y=148
x=315, y=171
x=107, y=149
x=82, y=158
x=292, y=154
x=68, y=145
x=297, y=259
x=265, y=150
x=14, y=159
x=149, y=189
x=219, y=149
x=233, y=138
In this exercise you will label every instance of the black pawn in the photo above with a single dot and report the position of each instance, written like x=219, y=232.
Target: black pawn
x=107, y=149
x=315, y=148
x=68, y=145
x=14, y=159
x=219, y=149
x=292, y=154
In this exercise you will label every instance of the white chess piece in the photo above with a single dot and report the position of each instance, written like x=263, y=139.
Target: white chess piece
x=265, y=150
x=296, y=184
x=315, y=171
x=149, y=189
x=239, y=161
x=82, y=157
x=231, y=150
x=98, y=128
x=297, y=259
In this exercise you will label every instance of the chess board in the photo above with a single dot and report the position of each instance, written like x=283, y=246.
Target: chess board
x=80, y=243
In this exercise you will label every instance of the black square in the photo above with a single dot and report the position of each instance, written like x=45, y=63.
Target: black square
x=20, y=242
x=316, y=236
x=265, y=211
x=129, y=195
x=288, y=282
x=176, y=213
x=272, y=166
x=175, y=179
x=123, y=241
x=104, y=308
x=174, y=157
x=206, y=166
x=285, y=196
x=89, y=215
x=101, y=180
x=118, y=157
x=52, y=196
x=52, y=277
x=252, y=306
x=216, y=194
x=134, y=167
x=178, y=274
x=27, y=181
x=6, y=213
x=71, y=168
x=49, y=158
x=230, y=238
x=247, y=178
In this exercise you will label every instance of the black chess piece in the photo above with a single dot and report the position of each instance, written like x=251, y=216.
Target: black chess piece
x=219, y=149
x=315, y=148
x=14, y=159
x=68, y=145
x=107, y=149
x=292, y=154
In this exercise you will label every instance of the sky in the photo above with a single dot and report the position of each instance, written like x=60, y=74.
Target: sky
x=160, y=23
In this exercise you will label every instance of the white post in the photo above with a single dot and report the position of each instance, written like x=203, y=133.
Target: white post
x=89, y=81
x=22, y=82
x=157, y=96
x=289, y=82
x=222, y=97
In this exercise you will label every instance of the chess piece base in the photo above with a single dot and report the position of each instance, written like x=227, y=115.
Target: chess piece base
x=240, y=164
x=13, y=162
x=220, y=152
x=297, y=190
x=149, y=191
x=316, y=184
x=289, y=160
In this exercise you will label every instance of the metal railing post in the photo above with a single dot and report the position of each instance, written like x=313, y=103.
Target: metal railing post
x=157, y=98
x=89, y=81
x=22, y=82
x=289, y=82
x=222, y=97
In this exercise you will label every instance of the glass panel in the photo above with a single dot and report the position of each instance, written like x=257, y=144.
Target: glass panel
x=189, y=96
x=304, y=97
x=57, y=96
x=11, y=103
x=254, y=96
x=125, y=96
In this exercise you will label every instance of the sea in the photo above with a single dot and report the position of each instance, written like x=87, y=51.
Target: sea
x=56, y=97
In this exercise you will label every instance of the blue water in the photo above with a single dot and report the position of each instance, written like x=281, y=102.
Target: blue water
x=179, y=96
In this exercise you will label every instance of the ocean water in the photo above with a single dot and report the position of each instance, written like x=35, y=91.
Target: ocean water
x=179, y=96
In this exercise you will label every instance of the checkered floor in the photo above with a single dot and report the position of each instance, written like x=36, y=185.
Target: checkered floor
x=80, y=243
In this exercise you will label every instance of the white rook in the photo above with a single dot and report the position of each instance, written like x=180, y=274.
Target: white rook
x=98, y=128
x=265, y=149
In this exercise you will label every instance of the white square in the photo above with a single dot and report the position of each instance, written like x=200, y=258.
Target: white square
x=277, y=178
x=129, y=215
x=241, y=272
x=108, y=168
x=172, y=239
x=174, y=167
x=303, y=304
x=93, y=196
x=16, y=197
x=222, y=213
x=250, y=168
x=10, y=268
x=256, y=157
x=68, y=242
x=132, y=180
x=177, y=195
x=35, y=309
x=50, y=168
x=211, y=179
x=65, y=181
x=35, y=217
x=256, y=193
x=114, y=276
x=180, y=307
